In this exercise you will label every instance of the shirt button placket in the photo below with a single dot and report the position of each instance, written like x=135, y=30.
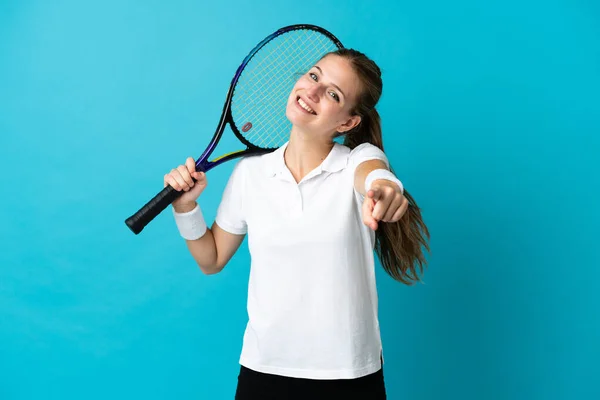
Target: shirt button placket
x=296, y=205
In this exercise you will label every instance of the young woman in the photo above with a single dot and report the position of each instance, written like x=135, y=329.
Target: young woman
x=314, y=211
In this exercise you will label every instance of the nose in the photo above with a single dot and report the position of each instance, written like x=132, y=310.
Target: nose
x=313, y=92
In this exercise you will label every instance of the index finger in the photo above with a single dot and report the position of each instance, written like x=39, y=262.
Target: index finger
x=374, y=193
x=190, y=164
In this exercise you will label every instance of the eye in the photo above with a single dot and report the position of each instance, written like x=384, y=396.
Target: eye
x=334, y=96
x=313, y=76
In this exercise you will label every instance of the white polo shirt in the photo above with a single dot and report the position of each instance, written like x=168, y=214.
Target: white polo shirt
x=312, y=298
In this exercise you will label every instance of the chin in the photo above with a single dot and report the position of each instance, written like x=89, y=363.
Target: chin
x=295, y=117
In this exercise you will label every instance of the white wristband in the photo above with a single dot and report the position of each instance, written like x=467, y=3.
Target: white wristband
x=191, y=224
x=382, y=174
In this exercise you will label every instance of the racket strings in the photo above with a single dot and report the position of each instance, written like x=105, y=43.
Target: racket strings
x=289, y=56
x=290, y=43
x=278, y=96
x=259, y=77
x=263, y=88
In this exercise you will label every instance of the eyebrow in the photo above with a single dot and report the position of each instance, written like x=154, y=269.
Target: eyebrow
x=333, y=84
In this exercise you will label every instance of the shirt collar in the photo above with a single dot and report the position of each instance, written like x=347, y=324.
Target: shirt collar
x=336, y=160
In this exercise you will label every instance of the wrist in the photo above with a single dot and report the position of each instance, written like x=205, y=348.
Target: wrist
x=184, y=208
x=191, y=224
x=382, y=174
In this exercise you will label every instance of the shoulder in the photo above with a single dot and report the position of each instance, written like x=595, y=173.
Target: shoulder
x=249, y=162
x=253, y=165
x=365, y=152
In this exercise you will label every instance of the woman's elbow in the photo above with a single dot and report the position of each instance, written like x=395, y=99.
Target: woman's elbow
x=212, y=269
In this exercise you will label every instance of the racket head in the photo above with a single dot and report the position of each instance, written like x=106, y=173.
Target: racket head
x=262, y=84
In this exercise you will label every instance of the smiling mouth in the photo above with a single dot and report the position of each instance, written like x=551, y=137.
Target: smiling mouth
x=305, y=106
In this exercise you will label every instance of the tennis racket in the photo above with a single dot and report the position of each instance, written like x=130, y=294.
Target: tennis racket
x=255, y=105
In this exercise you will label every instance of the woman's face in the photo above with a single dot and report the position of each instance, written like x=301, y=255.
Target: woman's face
x=323, y=98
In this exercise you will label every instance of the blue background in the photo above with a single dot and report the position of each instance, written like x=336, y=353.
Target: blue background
x=491, y=118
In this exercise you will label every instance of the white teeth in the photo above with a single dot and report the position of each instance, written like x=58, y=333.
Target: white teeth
x=305, y=106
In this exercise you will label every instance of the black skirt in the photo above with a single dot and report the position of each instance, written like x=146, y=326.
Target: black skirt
x=253, y=385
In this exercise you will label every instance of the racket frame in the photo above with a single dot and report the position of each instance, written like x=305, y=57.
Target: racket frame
x=203, y=164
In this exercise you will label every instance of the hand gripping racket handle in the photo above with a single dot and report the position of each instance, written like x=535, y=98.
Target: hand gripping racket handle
x=147, y=213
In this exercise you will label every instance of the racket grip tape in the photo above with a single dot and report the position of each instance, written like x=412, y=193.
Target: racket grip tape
x=138, y=221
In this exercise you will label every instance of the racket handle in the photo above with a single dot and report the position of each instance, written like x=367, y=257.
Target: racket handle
x=147, y=213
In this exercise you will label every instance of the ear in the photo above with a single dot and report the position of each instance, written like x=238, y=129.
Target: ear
x=351, y=123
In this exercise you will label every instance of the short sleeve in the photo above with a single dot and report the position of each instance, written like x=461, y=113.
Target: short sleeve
x=365, y=152
x=230, y=213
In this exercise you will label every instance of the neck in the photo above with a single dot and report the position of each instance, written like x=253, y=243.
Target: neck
x=306, y=152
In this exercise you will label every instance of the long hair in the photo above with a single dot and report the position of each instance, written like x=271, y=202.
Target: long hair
x=399, y=245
